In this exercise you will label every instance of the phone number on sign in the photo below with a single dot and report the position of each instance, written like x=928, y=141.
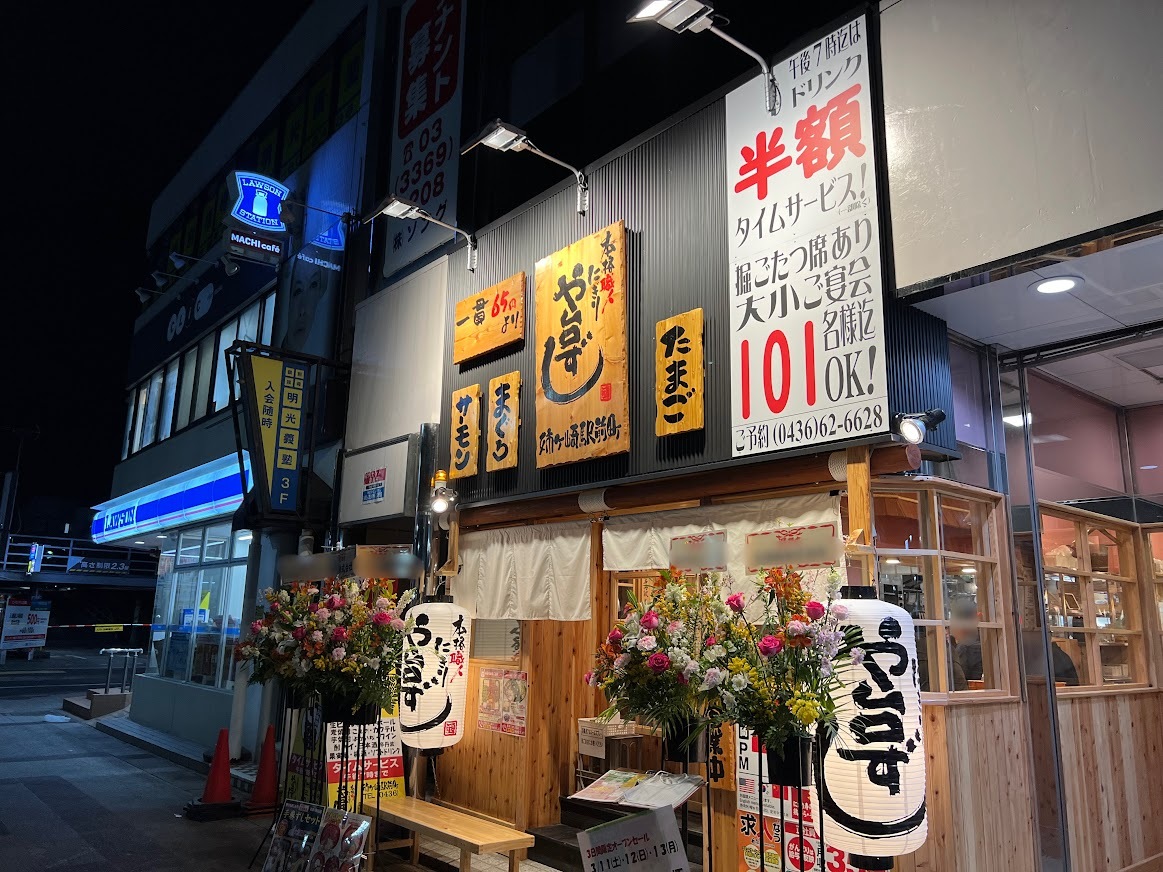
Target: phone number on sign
x=811, y=429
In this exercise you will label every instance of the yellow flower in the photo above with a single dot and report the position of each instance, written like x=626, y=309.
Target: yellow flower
x=737, y=665
x=805, y=708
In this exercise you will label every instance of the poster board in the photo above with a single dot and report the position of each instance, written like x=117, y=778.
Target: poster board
x=25, y=624
x=311, y=837
x=583, y=406
x=503, y=703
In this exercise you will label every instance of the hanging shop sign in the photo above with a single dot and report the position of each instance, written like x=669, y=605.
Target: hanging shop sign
x=276, y=399
x=434, y=676
x=426, y=134
x=807, y=547
x=583, y=408
x=806, y=286
x=503, y=421
x=700, y=552
x=466, y=432
x=252, y=245
x=873, y=795
x=489, y=320
x=678, y=373
x=258, y=202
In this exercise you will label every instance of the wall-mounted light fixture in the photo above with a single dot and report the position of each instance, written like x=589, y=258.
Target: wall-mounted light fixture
x=500, y=136
x=229, y=264
x=144, y=294
x=694, y=16
x=398, y=207
x=912, y=428
x=443, y=494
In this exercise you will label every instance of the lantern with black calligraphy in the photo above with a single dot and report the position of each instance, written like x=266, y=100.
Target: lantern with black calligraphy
x=873, y=790
x=434, y=676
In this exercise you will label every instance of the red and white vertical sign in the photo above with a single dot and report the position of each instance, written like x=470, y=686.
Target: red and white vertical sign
x=807, y=322
x=426, y=127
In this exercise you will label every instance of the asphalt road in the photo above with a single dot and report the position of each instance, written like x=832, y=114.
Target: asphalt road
x=67, y=672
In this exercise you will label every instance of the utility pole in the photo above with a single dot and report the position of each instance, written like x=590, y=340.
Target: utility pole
x=12, y=482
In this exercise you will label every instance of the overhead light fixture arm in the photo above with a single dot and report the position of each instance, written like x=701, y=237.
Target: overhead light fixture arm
x=583, y=185
x=770, y=87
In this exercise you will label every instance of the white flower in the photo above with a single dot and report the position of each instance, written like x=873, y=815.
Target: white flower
x=691, y=668
x=728, y=698
x=716, y=652
x=631, y=628
x=374, y=663
x=338, y=616
x=833, y=582
x=647, y=643
x=712, y=679
x=738, y=682
x=678, y=657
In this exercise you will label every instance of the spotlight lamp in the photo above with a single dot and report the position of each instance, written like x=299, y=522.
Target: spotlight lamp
x=145, y=294
x=913, y=427
x=500, y=136
x=229, y=265
x=443, y=495
x=693, y=16
x=398, y=207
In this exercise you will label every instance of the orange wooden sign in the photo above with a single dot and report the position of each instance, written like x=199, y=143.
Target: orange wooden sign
x=678, y=373
x=502, y=421
x=465, y=439
x=489, y=320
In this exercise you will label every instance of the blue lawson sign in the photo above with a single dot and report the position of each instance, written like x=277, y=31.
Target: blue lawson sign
x=260, y=202
x=182, y=320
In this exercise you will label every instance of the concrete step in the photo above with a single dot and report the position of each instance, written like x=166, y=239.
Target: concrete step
x=80, y=706
x=102, y=703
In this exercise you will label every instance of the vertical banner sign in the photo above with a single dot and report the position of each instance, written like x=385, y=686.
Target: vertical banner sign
x=466, y=432
x=780, y=837
x=276, y=395
x=583, y=408
x=504, y=421
x=678, y=373
x=807, y=332
x=489, y=320
x=426, y=130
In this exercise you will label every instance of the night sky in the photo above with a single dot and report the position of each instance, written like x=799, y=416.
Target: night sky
x=104, y=102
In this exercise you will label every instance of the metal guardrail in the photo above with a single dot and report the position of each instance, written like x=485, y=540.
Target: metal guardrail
x=127, y=670
x=59, y=554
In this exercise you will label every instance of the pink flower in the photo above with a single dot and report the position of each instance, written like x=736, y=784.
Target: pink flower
x=682, y=679
x=317, y=636
x=397, y=625
x=615, y=637
x=621, y=661
x=857, y=656
x=658, y=663
x=735, y=603
x=383, y=602
x=647, y=643
x=335, y=601
x=769, y=645
x=339, y=653
x=650, y=620
x=710, y=643
x=381, y=618
x=299, y=633
x=255, y=626
x=839, y=611
x=312, y=591
x=323, y=614
x=588, y=678
x=815, y=610
x=673, y=627
x=339, y=634
x=796, y=628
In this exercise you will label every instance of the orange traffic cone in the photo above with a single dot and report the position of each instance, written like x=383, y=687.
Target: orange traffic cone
x=265, y=796
x=216, y=801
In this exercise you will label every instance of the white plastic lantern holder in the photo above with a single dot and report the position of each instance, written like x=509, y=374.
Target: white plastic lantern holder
x=434, y=676
x=873, y=790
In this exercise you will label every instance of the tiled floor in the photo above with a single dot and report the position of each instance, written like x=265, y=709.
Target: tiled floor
x=483, y=862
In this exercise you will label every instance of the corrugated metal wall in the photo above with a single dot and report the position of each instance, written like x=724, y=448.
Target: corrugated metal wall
x=670, y=192
x=917, y=366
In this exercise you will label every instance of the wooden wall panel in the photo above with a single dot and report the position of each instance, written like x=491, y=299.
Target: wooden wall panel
x=479, y=772
x=1111, y=748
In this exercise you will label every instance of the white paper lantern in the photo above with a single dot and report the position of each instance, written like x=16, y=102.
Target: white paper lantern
x=873, y=795
x=434, y=676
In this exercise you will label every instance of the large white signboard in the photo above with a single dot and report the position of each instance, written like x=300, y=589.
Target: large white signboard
x=807, y=332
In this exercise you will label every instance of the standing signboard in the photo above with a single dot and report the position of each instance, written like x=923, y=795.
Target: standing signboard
x=25, y=624
x=426, y=128
x=806, y=287
x=583, y=407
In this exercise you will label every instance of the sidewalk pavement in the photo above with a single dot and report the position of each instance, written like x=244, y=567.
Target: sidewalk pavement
x=73, y=798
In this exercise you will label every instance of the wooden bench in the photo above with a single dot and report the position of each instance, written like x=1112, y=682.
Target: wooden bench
x=471, y=834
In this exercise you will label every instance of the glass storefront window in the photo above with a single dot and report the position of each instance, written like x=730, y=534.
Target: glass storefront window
x=901, y=519
x=241, y=547
x=199, y=605
x=186, y=392
x=1155, y=555
x=169, y=397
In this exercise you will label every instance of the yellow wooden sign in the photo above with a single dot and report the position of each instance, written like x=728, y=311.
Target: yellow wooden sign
x=465, y=442
x=490, y=319
x=583, y=406
x=678, y=373
x=108, y=628
x=502, y=421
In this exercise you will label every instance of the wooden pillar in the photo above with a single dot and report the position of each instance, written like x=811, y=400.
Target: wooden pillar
x=859, y=475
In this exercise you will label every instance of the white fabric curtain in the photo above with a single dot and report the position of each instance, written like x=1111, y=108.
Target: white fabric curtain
x=526, y=573
x=634, y=542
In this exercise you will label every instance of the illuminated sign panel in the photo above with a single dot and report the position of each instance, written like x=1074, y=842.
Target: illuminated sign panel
x=260, y=201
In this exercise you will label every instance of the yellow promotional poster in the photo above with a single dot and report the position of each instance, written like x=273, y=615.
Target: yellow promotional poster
x=374, y=757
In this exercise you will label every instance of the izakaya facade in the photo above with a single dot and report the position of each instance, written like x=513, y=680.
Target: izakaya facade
x=822, y=303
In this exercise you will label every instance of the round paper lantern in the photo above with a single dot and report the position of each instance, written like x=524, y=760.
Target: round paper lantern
x=873, y=791
x=434, y=676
